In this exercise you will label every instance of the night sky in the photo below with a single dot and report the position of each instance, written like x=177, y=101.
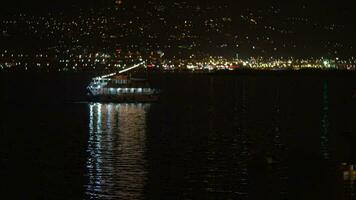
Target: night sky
x=341, y=10
x=319, y=6
x=330, y=21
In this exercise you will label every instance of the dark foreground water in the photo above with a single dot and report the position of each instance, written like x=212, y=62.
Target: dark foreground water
x=209, y=137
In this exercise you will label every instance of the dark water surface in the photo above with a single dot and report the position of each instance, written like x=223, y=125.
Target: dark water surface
x=209, y=137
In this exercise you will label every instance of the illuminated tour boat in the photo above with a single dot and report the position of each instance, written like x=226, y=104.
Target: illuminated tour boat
x=120, y=87
x=349, y=172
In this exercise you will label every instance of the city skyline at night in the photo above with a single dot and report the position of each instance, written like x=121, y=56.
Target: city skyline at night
x=163, y=32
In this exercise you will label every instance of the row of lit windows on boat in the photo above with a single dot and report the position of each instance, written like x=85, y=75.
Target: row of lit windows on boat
x=112, y=81
x=127, y=90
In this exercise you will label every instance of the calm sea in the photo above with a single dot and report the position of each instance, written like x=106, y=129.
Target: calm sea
x=285, y=136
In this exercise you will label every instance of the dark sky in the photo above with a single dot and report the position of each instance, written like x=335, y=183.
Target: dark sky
x=43, y=4
x=88, y=3
x=320, y=7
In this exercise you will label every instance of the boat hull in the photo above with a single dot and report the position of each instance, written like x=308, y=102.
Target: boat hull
x=124, y=98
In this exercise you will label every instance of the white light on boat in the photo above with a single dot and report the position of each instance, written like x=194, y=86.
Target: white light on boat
x=133, y=67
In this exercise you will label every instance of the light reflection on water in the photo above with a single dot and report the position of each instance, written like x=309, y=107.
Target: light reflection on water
x=230, y=138
x=324, y=139
x=116, y=166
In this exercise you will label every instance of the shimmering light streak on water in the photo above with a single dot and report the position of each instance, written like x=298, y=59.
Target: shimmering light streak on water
x=325, y=123
x=116, y=163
